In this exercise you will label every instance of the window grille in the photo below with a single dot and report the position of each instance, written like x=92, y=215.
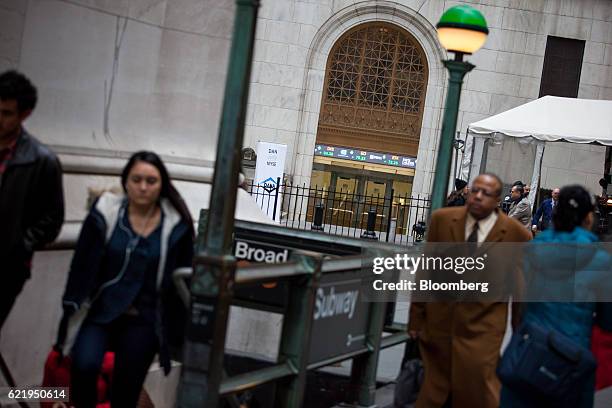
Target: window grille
x=374, y=93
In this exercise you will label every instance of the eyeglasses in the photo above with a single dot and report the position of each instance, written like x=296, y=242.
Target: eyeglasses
x=486, y=193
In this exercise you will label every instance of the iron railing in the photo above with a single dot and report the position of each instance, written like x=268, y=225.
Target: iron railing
x=392, y=218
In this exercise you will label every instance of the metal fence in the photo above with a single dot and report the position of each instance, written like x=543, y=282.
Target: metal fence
x=392, y=218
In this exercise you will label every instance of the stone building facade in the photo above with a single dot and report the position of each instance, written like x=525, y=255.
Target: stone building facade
x=294, y=40
x=116, y=76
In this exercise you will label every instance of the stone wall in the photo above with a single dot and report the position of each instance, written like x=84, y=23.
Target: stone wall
x=294, y=38
x=123, y=75
x=119, y=75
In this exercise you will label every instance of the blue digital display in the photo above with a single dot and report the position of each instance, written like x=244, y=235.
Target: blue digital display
x=347, y=153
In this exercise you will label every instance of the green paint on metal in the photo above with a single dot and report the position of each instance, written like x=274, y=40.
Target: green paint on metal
x=297, y=332
x=252, y=379
x=363, y=370
x=201, y=232
x=457, y=70
x=214, y=264
x=463, y=17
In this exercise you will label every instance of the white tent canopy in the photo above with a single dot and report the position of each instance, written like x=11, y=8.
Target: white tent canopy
x=515, y=139
x=552, y=118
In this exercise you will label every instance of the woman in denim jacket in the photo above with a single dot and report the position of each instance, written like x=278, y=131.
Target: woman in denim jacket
x=121, y=280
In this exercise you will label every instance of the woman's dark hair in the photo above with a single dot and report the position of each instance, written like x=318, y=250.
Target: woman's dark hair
x=572, y=208
x=167, y=189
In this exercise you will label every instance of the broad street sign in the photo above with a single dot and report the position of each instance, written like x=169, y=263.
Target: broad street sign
x=341, y=314
x=254, y=242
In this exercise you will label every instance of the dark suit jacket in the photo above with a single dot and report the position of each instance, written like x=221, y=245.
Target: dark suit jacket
x=460, y=342
x=545, y=213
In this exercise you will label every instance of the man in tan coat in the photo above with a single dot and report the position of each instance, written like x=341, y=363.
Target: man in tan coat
x=460, y=342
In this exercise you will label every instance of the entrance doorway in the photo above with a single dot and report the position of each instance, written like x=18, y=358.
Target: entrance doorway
x=349, y=193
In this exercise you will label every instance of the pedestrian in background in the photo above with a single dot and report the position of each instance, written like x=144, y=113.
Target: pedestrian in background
x=460, y=341
x=543, y=216
x=31, y=194
x=520, y=209
x=457, y=198
x=126, y=253
x=507, y=201
x=590, y=267
x=527, y=190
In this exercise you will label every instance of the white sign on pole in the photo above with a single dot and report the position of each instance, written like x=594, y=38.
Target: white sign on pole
x=269, y=168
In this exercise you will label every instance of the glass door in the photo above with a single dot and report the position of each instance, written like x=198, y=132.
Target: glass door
x=341, y=205
x=320, y=185
x=401, y=204
x=373, y=198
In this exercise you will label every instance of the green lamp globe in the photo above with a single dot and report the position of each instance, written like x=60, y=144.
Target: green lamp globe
x=462, y=29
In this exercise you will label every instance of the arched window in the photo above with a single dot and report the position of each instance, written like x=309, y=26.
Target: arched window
x=374, y=92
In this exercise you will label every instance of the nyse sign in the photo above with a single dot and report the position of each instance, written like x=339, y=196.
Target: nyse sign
x=268, y=170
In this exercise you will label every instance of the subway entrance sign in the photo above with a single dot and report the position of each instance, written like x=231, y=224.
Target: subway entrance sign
x=321, y=317
x=341, y=313
x=255, y=242
x=340, y=316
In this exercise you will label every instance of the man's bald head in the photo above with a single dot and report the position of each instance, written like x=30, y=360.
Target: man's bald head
x=498, y=181
x=555, y=194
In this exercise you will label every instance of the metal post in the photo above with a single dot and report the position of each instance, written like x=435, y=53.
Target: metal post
x=458, y=145
x=359, y=198
x=457, y=70
x=214, y=266
x=317, y=222
x=456, y=157
x=296, y=335
x=278, y=181
x=485, y=156
x=363, y=371
x=389, y=214
x=370, y=233
x=473, y=149
x=333, y=183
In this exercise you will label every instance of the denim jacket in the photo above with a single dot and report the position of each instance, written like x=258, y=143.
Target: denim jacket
x=176, y=250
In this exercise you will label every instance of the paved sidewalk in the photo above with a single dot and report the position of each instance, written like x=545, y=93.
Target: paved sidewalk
x=603, y=398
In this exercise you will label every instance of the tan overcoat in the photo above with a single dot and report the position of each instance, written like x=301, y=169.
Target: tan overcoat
x=460, y=342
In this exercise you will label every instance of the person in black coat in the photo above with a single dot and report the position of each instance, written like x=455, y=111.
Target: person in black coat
x=121, y=280
x=31, y=193
x=458, y=197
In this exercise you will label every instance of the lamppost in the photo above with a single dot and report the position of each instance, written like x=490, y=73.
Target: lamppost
x=461, y=30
